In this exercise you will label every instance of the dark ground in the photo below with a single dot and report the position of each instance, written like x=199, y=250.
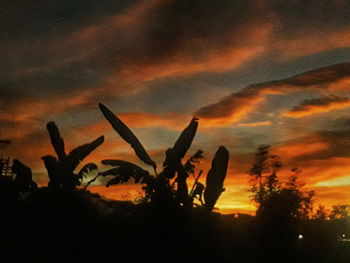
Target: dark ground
x=82, y=227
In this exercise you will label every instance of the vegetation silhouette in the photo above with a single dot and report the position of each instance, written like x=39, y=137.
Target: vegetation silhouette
x=61, y=169
x=159, y=188
x=65, y=222
x=281, y=204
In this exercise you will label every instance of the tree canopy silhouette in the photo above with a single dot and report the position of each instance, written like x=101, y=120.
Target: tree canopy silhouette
x=275, y=197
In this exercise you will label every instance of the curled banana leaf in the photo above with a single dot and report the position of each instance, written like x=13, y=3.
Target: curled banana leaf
x=215, y=178
x=127, y=135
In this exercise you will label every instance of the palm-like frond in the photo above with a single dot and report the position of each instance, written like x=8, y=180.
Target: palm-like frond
x=127, y=135
x=79, y=153
x=124, y=171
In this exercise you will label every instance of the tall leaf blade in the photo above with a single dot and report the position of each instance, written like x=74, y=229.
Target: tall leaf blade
x=216, y=176
x=174, y=155
x=56, y=140
x=127, y=135
x=80, y=152
x=185, y=139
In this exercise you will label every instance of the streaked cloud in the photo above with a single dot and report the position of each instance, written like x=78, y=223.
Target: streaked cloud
x=254, y=124
x=239, y=105
x=317, y=106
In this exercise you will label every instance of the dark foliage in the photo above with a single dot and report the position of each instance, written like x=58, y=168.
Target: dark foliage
x=158, y=188
x=62, y=223
x=61, y=169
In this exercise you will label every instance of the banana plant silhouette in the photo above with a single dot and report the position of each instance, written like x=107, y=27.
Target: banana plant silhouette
x=158, y=187
x=61, y=169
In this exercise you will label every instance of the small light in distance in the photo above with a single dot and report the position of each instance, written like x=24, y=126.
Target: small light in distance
x=300, y=236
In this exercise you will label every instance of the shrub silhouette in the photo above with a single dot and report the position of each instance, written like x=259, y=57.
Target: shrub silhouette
x=23, y=180
x=61, y=169
x=158, y=188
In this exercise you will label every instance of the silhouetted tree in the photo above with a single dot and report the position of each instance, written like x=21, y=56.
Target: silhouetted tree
x=263, y=174
x=321, y=213
x=160, y=188
x=273, y=197
x=340, y=211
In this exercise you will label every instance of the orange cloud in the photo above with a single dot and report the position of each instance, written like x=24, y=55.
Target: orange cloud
x=299, y=149
x=255, y=124
x=332, y=195
x=232, y=108
x=238, y=105
x=317, y=106
x=316, y=171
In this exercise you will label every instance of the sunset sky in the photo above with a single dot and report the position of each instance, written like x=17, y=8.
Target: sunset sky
x=254, y=72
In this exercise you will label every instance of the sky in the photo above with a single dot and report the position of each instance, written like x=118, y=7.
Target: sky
x=254, y=72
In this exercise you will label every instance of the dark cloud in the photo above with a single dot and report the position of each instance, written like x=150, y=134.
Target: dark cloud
x=237, y=105
x=316, y=146
x=318, y=105
x=58, y=46
x=342, y=122
x=304, y=17
x=55, y=47
x=30, y=19
x=62, y=55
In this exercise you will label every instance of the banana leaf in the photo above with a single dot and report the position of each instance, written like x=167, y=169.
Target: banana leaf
x=56, y=140
x=113, y=171
x=79, y=153
x=113, y=181
x=137, y=171
x=185, y=139
x=174, y=155
x=127, y=135
x=114, y=162
x=215, y=178
x=184, y=142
